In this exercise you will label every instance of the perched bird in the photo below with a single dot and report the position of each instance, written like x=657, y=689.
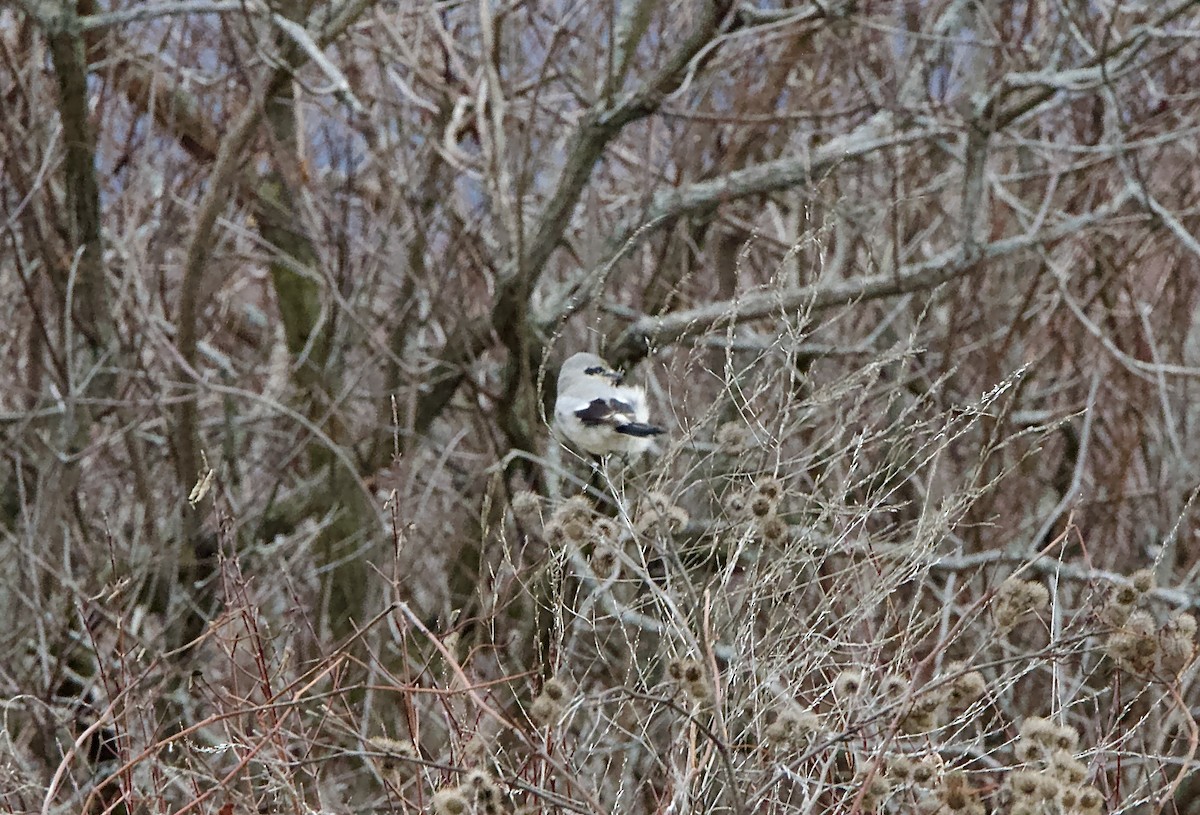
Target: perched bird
x=598, y=414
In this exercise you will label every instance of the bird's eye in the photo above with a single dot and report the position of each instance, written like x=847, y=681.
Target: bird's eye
x=595, y=370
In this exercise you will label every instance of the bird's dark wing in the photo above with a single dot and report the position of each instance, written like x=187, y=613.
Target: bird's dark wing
x=639, y=429
x=606, y=412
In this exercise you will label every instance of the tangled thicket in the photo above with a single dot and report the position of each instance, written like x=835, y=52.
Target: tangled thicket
x=914, y=290
x=768, y=622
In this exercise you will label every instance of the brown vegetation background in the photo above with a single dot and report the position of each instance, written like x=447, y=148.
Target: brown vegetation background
x=912, y=285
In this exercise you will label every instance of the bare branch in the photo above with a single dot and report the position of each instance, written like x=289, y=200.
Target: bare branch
x=600, y=125
x=91, y=312
x=139, y=14
x=868, y=138
x=1031, y=91
x=649, y=331
x=341, y=86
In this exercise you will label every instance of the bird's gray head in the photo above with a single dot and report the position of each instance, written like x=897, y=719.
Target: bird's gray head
x=588, y=365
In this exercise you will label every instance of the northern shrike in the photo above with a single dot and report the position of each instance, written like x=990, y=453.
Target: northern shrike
x=598, y=414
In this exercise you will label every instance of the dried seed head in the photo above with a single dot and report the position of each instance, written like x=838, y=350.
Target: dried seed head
x=847, y=684
x=1042, y=731
x=526, y=504
x=1066, y=738
x=956, y=793
x=774, y=529
x=794, y=727
x=1025, y=785
x=1122, y=646
x=690, y=676
x=449, y=801
x=927, y=768
x=923, y=713
x=605, y=532
x=929, y=804
x=1050, y=787
x=479, y=746
x=878, y=786
x=735, y=504
x=929, y=701
x=677, y=518
x=1141, y=623
x=894, y=687
x=1091, y=802
x=1121, y=601
x=575, y=531
x=1182, y=623
x=396, y=760
x=1134, y=645
x=1177, y=643
x=1029, y=752
x=733, y=438
x=545, y=711
x=875, y=790
x=577, y=508
x=918, y=721
x=761, y=506
x=965, y=689
x=604, y=562
x=1016, y=598
x=1123, y=595
x=392, y=747
x=648, y=521
x=1067, y=769
x=477, y=781
x=487, y=796
x=1143, y=580
x=657, y=512
x=900, y=769
x=769, y=488
x=698, y=690
x=556, y=689
x=1113, y=614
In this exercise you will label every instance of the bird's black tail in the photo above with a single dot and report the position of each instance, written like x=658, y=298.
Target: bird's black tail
x=639, y=429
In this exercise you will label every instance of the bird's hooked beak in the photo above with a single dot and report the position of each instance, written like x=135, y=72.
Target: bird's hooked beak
x=615, y=377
